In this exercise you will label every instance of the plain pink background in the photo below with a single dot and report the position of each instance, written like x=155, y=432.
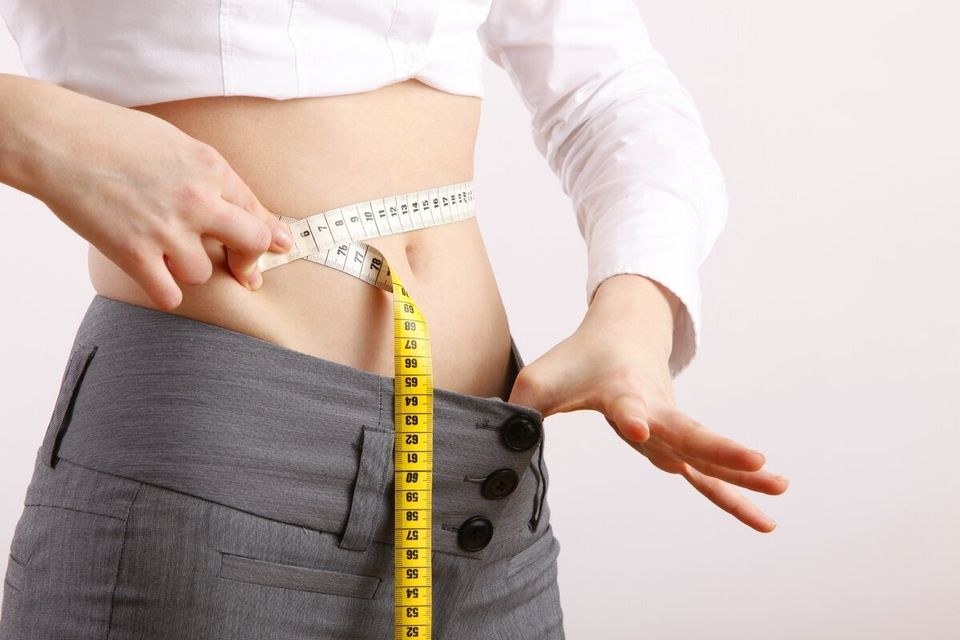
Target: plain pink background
x=829, y=340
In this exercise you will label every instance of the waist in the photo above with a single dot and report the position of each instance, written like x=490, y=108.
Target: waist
x=308, y=155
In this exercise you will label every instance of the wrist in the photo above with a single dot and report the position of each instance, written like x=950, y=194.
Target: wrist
x=636, y=306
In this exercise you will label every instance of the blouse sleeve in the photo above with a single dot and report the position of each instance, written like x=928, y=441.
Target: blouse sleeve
x=625, y=139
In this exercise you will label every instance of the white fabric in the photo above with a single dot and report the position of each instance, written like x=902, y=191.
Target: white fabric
x=608, y=115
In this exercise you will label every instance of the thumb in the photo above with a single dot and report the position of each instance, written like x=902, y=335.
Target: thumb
x=628, y=413
x=523, y=391
x=533, y=391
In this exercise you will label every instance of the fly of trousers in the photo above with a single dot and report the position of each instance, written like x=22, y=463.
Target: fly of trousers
x=197, y=483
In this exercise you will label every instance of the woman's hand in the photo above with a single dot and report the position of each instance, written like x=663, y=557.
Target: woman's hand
x=616, y=363
x=139, y=189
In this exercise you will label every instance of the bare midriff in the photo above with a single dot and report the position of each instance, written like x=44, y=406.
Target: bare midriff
x=308, y=155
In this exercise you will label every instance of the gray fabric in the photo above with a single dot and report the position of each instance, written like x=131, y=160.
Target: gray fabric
x=197, y=482
x=372, y=476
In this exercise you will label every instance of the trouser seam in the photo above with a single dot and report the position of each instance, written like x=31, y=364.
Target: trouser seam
x=123, y=544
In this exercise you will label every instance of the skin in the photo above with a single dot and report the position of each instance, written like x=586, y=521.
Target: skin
x=178, y=200
x=628, y=381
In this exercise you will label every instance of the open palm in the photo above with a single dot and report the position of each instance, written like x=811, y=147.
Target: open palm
x=630, y=385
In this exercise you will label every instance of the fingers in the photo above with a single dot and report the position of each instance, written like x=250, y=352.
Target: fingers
x=188, y=261
x=683, y=434
x=149, y=269
x=762, y=481
x=245, y=237
x=246, y=228
x=729, y=499
x=690, y=438
x=237, y=192
x=715, y=489
x=629, y=414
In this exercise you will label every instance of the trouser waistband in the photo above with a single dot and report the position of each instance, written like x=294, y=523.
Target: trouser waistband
x=234, y=419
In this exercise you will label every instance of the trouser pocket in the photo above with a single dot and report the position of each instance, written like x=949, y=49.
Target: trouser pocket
x=65, y=553
x=193, y=569
x=81, y=355
x=12, y=587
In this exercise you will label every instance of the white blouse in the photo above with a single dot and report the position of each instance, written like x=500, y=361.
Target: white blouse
x=610, y=118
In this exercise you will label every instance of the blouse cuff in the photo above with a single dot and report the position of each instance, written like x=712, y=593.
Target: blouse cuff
x=656, y=245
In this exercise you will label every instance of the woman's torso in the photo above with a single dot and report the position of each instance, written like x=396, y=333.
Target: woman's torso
x=308, y=155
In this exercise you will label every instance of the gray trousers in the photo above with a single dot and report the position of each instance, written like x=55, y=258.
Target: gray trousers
x=197, y=483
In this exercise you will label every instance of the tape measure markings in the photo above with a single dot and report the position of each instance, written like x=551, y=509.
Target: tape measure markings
x=337, y=228
x=413, y=478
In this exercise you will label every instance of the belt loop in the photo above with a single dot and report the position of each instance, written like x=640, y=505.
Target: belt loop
x=375, y=466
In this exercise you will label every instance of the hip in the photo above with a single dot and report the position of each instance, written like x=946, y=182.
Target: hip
x=196, y=482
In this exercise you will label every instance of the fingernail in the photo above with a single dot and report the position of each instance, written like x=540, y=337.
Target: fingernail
x=284, y=239
x=636, y=420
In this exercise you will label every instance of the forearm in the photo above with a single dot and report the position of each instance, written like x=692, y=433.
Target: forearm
x=38, y=125
x=625, y=302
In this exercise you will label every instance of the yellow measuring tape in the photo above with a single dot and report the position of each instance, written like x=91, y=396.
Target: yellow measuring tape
x=334, y=239
x=413, y=478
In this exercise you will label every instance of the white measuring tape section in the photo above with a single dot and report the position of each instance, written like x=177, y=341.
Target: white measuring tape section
x=334, y=238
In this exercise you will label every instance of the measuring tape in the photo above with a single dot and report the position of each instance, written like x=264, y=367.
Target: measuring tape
x=334, y=239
